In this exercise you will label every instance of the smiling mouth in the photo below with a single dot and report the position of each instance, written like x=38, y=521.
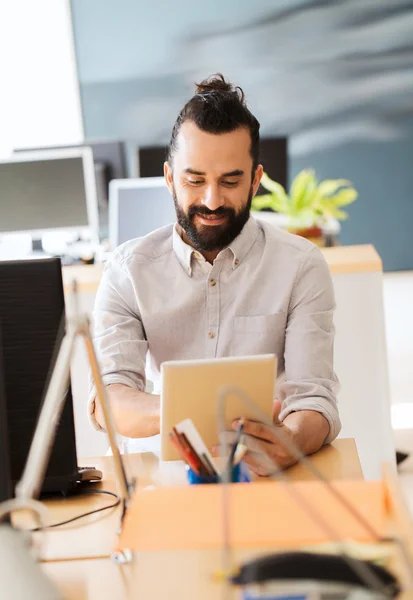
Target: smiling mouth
x=212, y=219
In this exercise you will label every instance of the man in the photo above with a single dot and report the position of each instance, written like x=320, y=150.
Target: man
x=217, y=284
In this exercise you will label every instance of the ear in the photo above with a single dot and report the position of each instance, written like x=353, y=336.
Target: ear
x=169, y=176
x=257, y=179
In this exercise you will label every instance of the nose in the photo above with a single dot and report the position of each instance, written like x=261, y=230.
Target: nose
x=212, y=197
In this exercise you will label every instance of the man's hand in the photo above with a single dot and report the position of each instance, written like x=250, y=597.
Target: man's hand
x=306, y=429
x=266, y=452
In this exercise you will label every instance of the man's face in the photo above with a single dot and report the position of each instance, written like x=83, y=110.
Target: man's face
x=211, y=183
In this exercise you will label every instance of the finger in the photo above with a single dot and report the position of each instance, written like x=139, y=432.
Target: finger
x=258, y=464
x=276, y=412
x=225, y=437
x=258, y=430
x=267, y=454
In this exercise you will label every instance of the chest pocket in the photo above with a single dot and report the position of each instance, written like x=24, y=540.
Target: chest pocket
x=259, y=335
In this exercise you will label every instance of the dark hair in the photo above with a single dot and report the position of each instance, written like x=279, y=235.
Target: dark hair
x=218, y=107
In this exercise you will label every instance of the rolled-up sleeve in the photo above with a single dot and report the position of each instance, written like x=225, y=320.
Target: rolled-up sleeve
x=310, y=382
x=119, y=336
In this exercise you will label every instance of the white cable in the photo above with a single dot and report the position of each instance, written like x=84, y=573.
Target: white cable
x=16, y=504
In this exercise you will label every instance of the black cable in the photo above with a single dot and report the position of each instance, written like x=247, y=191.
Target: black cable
x=91, y=512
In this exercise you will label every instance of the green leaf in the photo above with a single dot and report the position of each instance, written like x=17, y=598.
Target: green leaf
x=339, y=214
x=328, y=187
x=272, y=186
x=344, y=197
x=260, y=202
x=302, y=188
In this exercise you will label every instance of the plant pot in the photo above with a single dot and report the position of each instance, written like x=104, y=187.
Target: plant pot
x=313, y=234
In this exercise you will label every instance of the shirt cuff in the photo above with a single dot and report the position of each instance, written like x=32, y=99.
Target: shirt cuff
x=320, y=405
x=107, y=380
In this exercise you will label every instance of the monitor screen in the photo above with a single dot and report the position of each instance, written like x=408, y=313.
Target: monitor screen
x=44, y=191
x=138, y=207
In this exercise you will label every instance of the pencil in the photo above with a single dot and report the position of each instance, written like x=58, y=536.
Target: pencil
x=186, y=456
x=203, y=467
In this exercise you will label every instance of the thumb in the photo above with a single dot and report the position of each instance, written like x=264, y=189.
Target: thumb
x=276, y=412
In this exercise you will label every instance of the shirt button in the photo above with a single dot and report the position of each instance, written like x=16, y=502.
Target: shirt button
x=212, y=282
x=236, y=261
x=211, y=334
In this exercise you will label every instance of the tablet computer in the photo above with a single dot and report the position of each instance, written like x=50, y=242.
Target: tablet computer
x=190, y=389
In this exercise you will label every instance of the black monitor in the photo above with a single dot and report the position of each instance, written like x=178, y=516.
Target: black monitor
x=5, y=478
x=32, y=316
x=273, y=157
x=151, y=161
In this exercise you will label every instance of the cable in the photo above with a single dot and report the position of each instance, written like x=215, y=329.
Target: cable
x=86, y=514
x=15, y=504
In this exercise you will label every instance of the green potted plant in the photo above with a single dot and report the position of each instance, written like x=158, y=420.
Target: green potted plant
x=309, y=205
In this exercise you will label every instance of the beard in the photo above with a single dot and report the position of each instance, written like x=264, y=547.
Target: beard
x=212, y=237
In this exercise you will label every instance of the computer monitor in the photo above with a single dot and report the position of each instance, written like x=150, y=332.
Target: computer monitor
x=137, y=207
x=110, y=153
x=5, y=477
x=109, y=158
x=49, y=190
x=32, y=312
x=274, y=159
x=151, y=160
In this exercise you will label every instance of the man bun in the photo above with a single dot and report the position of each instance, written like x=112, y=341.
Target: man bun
x=218, y=83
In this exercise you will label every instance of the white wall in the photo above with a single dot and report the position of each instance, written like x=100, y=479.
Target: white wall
x=40, y=99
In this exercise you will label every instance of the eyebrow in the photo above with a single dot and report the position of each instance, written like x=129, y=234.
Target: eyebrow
x=235, y=173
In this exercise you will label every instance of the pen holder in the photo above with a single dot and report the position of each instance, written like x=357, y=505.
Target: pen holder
x=240, y=474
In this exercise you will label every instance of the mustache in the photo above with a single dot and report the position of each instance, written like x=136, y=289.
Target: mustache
x=203, y=210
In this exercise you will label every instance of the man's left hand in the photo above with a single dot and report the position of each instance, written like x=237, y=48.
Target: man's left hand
x=266, y=452
x=307, y=429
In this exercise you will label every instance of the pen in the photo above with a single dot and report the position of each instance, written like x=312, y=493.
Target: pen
x=235, y=445
x=240, y=452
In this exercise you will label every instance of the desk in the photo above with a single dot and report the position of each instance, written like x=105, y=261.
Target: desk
x=337, y=461
x=76, y=556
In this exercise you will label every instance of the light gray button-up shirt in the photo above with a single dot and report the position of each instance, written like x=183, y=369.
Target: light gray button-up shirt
x=268, y=292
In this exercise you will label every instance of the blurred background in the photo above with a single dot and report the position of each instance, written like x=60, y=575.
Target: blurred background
x=335, y=77
x=331, y=83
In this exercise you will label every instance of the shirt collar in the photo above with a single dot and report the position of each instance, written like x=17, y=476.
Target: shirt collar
x=182, y=250
x=239, y=247
x=244, y=241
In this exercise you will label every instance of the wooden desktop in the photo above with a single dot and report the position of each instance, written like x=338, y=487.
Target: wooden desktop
x=77, y=556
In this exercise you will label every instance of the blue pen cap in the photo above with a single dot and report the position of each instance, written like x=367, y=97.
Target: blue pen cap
x=240, y=474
